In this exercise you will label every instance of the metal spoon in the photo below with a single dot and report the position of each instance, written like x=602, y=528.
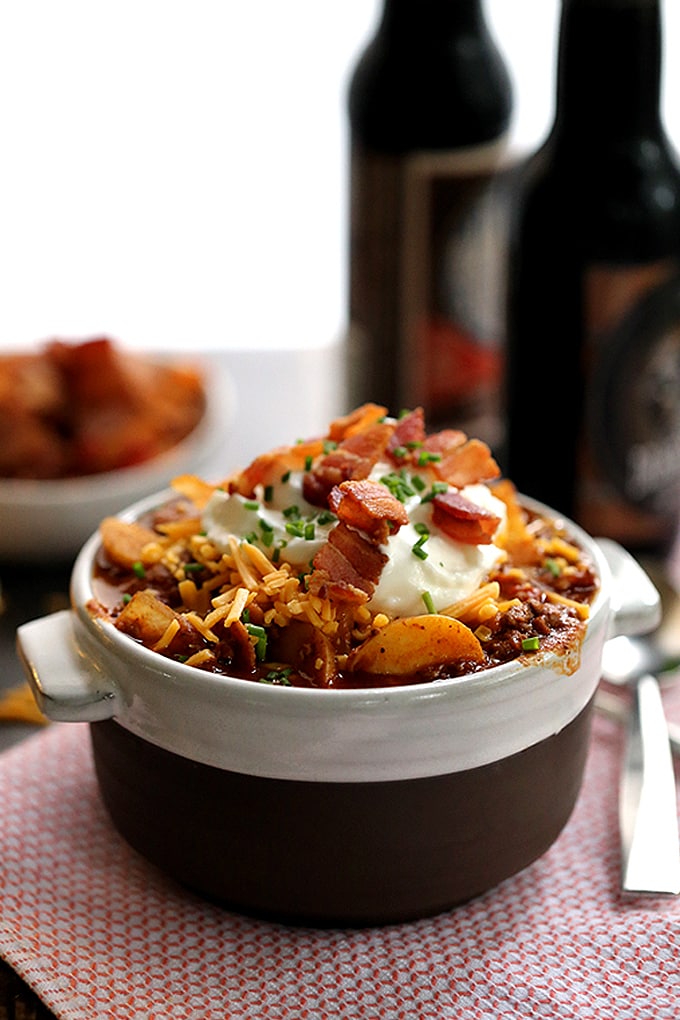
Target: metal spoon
x=648, y=820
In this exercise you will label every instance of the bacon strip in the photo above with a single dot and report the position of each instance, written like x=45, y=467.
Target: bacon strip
x=334, y=577
x=348, y=567
x=463, y=520
x=409, y=434
x=466, y=463
x=354, y=459
x=445, y=441
x=269, y=467
x=359, y=551
x=357, y=420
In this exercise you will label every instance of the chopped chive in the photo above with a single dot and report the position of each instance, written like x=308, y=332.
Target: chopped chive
x=437, y=487
x=399, y=451
x=417, y=549
x=278, y=676
x=295, y=528
x=126, y=599
x=418, y=483
x=265, y=525
x=260, y=635
x=530, y=644
x=308, y=462
x=325, y=517
x=192, y=568
x=429, y=604
x=421, y=527
x=291, y=511
x=426, y=457
x=553, y=567
x=251, y=504
x=138, y=568
x=399, y=485
x=251, y=537
x=268, y=493
x=285, y=477
x=310, y=531
x=329, y=445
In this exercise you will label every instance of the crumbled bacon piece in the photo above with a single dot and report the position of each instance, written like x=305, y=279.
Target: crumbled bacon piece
x=349, y=565
x=269, y=467
x=462, y=520
x=359, y=551
x=335, y=577
x=466, y=463
x=354, y=459
x=370, y=507
x=408, y=434
x=444, y=441
x=356, y=421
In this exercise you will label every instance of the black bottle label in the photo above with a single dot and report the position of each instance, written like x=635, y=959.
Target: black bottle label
x=629, y=485
x=427, y=285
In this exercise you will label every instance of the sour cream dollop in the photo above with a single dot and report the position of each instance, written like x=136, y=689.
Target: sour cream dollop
x=285, y=526
x=448, y=570
x=289, y=529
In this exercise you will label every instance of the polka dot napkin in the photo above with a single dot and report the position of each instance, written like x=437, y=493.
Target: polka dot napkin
x=98, y=932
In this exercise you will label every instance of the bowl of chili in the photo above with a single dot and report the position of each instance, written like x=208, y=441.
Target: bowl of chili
x=328, y=790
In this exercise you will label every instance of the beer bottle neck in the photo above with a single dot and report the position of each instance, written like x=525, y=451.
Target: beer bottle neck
x=419, y=20
x=609, y=70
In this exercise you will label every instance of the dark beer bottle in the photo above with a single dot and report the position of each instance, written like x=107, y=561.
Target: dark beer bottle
x=593, y=329
x=429, y=105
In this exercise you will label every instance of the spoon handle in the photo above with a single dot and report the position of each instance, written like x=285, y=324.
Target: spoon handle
x=647, y=800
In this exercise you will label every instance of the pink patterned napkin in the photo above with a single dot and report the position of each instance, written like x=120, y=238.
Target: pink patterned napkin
x=98, y=932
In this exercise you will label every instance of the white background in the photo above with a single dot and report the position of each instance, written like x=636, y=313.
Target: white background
x=173, y=173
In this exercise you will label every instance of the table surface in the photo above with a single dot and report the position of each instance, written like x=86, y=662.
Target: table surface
x=27, y=593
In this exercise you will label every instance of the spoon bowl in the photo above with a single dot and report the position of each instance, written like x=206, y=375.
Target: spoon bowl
x=626, y=658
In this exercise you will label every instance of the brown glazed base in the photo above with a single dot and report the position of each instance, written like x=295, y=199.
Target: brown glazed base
x=339, y=853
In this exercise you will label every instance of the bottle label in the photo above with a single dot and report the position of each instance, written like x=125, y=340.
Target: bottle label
x=427, y=284
x=630, y=459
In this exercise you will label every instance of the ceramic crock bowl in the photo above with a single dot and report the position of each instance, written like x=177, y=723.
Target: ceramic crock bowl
x=324, y=806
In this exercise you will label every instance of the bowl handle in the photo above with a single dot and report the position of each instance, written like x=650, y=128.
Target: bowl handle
x=67, y=685
x=635, y=601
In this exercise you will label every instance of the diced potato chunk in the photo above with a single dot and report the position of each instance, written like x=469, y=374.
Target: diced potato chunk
x=415, y=643
x=145, y=618
x=125, y=542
